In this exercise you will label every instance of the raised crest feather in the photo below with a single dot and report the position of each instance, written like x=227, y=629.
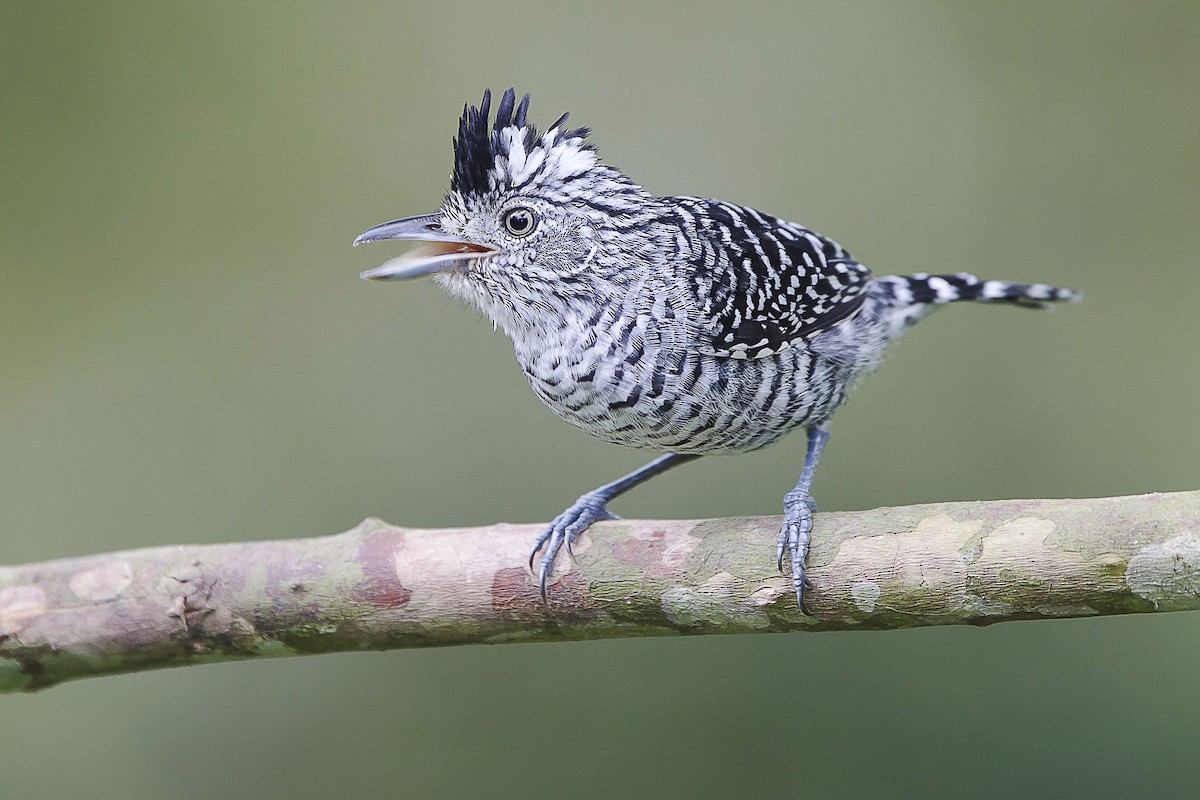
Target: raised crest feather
x=482, y=141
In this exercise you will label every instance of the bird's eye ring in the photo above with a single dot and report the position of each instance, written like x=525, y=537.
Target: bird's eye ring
x=519, y=221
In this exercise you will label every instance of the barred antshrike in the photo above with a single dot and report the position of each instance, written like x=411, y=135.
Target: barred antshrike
x=677, y=324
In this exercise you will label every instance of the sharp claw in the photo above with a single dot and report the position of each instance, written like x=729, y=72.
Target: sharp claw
x=794, y=538
x=565, y=528
x=800, y=582
x=553, y=543
x=781, y=546
x=539, y=542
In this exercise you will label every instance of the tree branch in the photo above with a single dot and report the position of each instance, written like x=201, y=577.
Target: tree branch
x=379, y=587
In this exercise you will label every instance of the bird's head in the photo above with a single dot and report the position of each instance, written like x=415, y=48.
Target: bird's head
x=533, y=226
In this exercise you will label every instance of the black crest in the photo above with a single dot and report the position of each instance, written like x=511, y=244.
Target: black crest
x=479, y=143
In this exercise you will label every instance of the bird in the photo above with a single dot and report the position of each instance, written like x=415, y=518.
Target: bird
x=681, y=325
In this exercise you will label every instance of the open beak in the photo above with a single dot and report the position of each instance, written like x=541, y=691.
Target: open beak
x=435, y=251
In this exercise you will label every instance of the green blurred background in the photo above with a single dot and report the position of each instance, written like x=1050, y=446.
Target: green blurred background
x=188, y=355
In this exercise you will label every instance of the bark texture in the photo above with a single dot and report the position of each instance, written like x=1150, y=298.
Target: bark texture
x=379, y=586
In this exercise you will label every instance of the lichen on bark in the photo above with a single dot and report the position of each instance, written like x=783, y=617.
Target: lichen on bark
x=379, y=586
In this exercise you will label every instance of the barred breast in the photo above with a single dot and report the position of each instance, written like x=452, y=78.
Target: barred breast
x=626, y=378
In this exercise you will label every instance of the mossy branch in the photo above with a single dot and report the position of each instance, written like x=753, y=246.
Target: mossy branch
x=379, y=587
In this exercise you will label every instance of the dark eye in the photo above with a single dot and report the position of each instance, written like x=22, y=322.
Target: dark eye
x=519, y=221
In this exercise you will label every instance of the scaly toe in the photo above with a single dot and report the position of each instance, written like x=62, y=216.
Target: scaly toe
x=565, y=529
x=794, y=538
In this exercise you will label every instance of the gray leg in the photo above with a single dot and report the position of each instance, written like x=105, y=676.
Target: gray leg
x=798, y=508
x=589, y=508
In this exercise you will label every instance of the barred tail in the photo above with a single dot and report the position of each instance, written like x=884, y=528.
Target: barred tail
x=938, y=289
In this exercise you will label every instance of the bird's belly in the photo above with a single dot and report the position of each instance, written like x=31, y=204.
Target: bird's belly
x=691, y=403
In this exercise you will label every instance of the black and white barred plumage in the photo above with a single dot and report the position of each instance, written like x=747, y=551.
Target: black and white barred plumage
x=764, y=283
x=678, y=324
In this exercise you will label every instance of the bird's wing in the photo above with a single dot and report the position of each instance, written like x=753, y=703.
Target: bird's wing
x=763, y=284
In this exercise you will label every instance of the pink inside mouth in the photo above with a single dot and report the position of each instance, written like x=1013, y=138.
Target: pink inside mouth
x=427, y=249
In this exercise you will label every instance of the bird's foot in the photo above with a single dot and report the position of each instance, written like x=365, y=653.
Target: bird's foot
x=798, y=508
x=565, y=529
